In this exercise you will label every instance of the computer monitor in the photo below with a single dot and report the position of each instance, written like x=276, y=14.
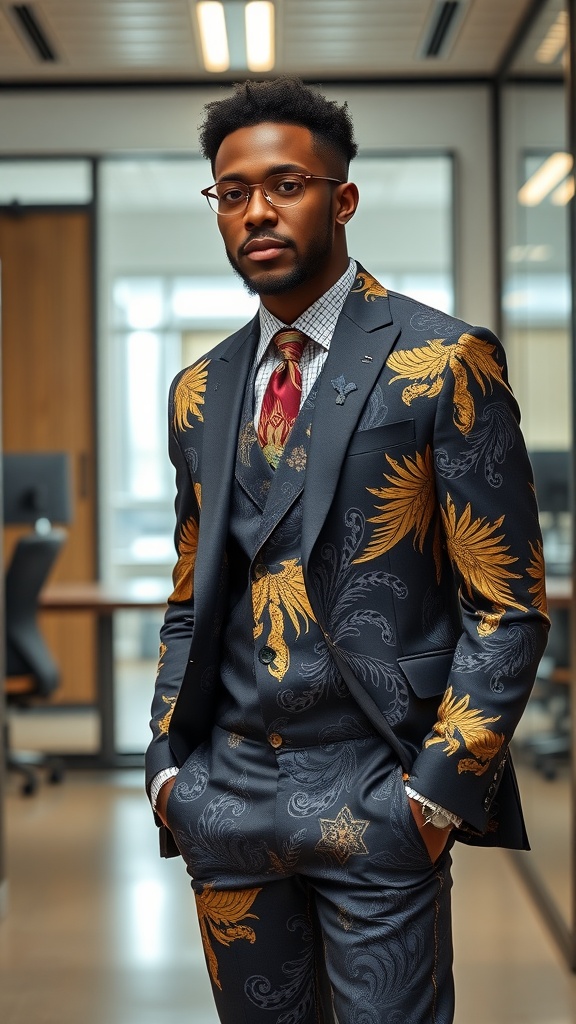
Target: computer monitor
x=552, y=480
x=36, y=485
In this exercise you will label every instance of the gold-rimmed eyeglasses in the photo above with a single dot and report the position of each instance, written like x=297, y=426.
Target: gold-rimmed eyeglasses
x=226, y=197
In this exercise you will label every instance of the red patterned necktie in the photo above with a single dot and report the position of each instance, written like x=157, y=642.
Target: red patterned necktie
x=281, y=402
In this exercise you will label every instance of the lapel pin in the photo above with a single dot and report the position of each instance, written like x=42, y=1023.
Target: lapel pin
x=366, y=359
x=339, y=384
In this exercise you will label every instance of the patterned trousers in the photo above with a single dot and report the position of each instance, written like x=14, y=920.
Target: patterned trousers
x=316, y=896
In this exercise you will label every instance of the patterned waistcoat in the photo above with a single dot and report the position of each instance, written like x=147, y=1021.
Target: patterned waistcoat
x=278, y=680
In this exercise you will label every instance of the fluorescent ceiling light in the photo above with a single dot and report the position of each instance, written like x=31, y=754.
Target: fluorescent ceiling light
x=562, y=195
x=548, y=175
x=554, y=41
x=260, y=35
x=213, y=38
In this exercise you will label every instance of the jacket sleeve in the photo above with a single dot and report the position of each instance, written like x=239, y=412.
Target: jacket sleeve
x=489, y=528
x=176, y=632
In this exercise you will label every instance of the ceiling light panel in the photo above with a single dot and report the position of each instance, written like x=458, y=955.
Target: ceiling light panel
x=542, y=49
x=260, y=35
x=213, y=35
x=555, y=40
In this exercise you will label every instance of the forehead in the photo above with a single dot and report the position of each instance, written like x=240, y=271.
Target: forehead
x=258, y=150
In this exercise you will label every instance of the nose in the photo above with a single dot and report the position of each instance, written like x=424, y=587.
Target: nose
x=258, y=209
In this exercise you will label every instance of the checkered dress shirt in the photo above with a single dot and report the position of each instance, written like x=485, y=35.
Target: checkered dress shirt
x=317, y=323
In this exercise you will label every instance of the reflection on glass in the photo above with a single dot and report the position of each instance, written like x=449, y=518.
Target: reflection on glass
x=536, y=304
x=34, y=182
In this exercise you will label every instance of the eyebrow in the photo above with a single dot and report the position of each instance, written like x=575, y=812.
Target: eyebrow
x=277, y=169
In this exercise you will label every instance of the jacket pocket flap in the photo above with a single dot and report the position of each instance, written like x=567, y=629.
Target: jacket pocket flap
x=380, y=438
x=428, y=673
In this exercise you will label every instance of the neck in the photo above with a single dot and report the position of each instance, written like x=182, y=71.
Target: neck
x=288, y=307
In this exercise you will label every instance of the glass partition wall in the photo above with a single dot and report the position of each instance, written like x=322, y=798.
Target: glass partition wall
x=537, y=187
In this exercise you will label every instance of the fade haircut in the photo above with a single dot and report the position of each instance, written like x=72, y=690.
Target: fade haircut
x=284, y=100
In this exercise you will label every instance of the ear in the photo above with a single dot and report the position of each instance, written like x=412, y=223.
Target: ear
x=346, y=198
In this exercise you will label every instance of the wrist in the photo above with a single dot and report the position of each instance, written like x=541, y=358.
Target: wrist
x=433, y=813
x=158, y=781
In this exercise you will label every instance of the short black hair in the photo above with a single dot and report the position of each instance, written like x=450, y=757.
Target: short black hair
x=284, y=100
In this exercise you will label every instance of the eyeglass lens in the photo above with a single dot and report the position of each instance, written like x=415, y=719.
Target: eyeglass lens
x=280, y=189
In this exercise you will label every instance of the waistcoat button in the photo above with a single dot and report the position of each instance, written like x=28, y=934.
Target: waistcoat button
x=275, y=740
x=266, y=655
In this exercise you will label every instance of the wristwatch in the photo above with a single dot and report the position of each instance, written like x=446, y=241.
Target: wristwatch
x=439, y=818
x=433, y=813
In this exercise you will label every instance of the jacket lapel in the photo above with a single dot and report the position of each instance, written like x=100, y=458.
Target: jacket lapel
x=362, y=341
x=223, y=406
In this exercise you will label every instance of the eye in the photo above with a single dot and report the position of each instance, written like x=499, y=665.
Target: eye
x=231, y=194
x=289, y=186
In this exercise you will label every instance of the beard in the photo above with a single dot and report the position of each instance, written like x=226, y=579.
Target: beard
x=312, y=262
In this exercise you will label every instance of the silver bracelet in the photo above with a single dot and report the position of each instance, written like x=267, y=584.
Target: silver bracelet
x=157, y=783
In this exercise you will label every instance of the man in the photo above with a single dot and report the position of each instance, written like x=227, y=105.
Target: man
x=358, y=606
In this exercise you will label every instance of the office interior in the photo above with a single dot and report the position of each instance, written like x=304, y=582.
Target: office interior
x=113, y=278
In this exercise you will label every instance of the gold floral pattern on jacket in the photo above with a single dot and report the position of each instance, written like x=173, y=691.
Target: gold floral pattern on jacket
x=410, y=505
x=189, y=395
x=183, y=573
x=220, y=915
x=537, y=571
x=426, y=367
x=164, y=723
x=281, y=594
x=476, y=550
x=372, y=289
x=456, y=716
x=161, y=653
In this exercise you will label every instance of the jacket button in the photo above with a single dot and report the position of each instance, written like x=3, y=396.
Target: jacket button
x=266, y=655
x=275, y=740
x=259, y=570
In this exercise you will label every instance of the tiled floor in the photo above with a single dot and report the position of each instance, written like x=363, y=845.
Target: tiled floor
x=101, y=931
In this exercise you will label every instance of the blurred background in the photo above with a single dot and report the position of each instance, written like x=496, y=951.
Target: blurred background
x=113, y=277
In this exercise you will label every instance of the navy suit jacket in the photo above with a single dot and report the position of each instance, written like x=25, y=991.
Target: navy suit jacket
x=418, y=510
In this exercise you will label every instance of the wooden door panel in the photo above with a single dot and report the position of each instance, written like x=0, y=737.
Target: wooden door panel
x=48, y=399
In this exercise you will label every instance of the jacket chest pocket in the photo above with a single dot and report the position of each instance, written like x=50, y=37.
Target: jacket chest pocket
x=389, y=435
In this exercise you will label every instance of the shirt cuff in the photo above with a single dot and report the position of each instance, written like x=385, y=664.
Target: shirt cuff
x=456, y=821
x=158, y=781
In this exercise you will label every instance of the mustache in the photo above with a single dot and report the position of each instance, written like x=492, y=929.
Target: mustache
x=265, y=233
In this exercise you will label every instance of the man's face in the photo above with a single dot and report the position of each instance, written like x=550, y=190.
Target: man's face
x=277, y=249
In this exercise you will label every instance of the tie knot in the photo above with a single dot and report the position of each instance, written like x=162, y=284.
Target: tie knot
x=290, y=344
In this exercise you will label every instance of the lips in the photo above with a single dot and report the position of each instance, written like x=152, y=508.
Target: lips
x=259, y=249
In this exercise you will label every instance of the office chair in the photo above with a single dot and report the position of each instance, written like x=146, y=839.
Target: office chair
x=30, y=669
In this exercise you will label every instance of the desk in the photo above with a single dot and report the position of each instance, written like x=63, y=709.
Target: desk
x=104, y=600
x=143, y=595
x=559, y=591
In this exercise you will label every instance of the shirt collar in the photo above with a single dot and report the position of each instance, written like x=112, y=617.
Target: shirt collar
x=317, y=322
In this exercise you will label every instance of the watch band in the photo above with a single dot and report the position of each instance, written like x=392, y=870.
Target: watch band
x=434, y=814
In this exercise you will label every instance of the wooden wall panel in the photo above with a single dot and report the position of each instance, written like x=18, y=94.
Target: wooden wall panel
x=48, y=399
